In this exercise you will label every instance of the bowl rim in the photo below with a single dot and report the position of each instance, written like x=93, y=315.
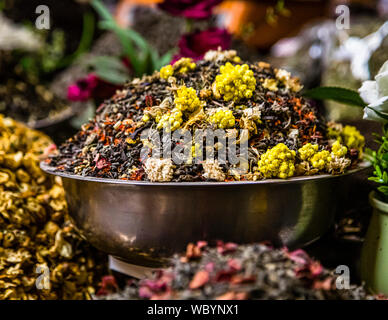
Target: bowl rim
x=300, y=179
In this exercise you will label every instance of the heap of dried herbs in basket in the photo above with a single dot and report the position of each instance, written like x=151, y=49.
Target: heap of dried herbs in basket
x=41, y=254
x=255, y=103
x=229, y=271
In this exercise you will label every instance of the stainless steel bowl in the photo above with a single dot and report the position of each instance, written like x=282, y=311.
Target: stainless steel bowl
x=144, y=223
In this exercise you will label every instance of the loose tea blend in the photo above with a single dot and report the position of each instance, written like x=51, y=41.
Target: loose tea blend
x=41, y=254
x=252, y=105
x=229, y=271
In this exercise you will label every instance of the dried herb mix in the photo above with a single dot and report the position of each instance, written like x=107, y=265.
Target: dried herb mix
x=36, y=235
x=229, y=271
x=286, y=137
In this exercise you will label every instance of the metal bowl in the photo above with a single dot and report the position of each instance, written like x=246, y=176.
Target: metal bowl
x=144, y=223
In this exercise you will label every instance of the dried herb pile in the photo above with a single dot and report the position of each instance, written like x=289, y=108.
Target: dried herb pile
x=35, y=230
x=229, y=271
x=285, y=134
x=24, y=98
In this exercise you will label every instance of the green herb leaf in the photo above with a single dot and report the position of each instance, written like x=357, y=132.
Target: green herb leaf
x=341, y=95
x=383, y=189
x=110, y=69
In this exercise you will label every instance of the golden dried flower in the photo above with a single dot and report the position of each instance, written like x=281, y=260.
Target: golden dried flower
x=235, y=82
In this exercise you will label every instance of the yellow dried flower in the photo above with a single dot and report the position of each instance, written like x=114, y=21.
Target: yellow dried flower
x=171, y=121
x=321, y=159
x=235, y=82
x=307, y=151
x=277, y=162
x=290, y=83
x=270, y=84
x=186, y=99
x=166, y=71
x=184, y=65
x=223, y=118
x=352, y=138
x=338, y=149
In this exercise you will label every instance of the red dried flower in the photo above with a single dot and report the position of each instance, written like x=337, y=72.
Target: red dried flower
x=90, y=87
x=108, y=285
x=195, y=45
x=191, y=9
x=82, y=90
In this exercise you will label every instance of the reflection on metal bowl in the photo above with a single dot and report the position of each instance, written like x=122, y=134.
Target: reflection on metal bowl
x=143, y=223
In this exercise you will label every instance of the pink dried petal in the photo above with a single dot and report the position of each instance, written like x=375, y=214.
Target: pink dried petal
x=234, y=264
x=145, y=292
x=316, y=268
x=155, y=285
x=299, y=256
x=239, y=279
x=201, y=244
x=323, y=285
x=200, y=278
x=224, y=248
x=102, y=163
x=209, y=267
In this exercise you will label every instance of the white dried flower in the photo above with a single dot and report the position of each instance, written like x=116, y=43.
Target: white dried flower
x=213, y=170
x=218, y=55
x=338, y=165
x=14, y=37
x=159, y=170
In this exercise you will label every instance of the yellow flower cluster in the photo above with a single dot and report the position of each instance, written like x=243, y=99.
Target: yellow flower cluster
x=186, y=99
x=166, y=71
x=235, y=82
x=352, y=138
x=277, y=162
x=307, y=151
x=183, y=65
x=338, y=149
x=321, y=159
x=171, y=121
x=223, y=119
x=348, y=135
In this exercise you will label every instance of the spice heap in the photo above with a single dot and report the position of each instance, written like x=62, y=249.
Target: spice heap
x=41, y=254
x=255, y=103
x=229, y=271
